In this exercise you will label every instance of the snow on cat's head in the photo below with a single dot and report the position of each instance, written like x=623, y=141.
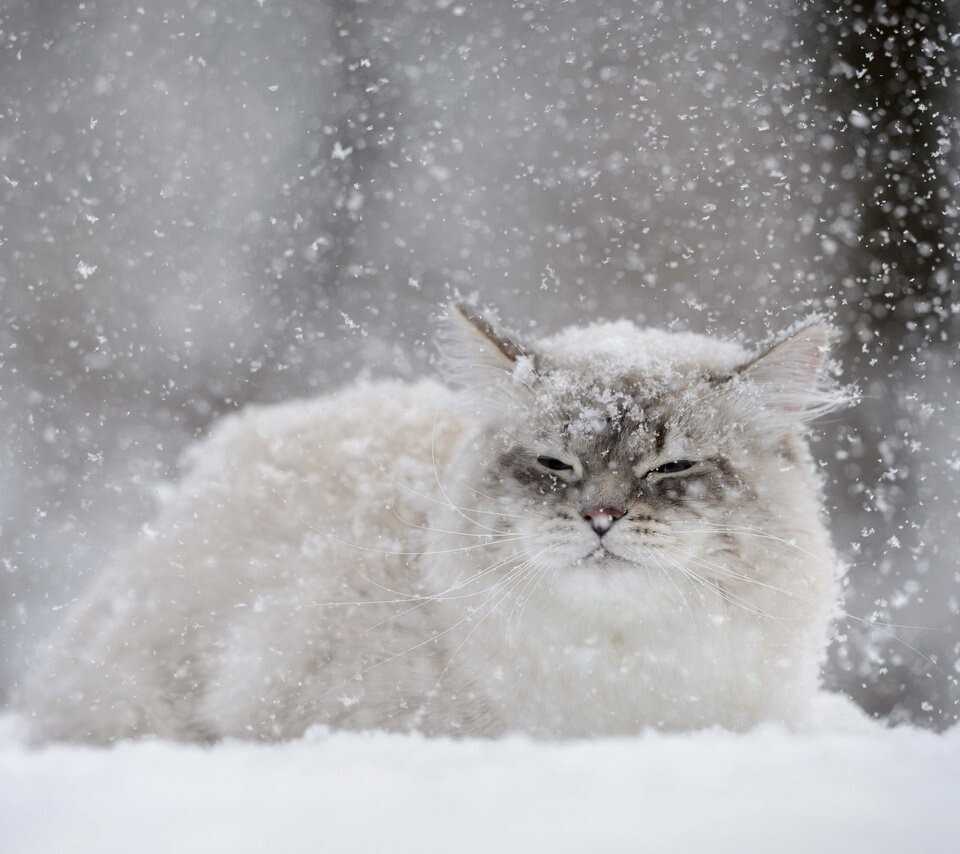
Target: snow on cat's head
x=609, y=445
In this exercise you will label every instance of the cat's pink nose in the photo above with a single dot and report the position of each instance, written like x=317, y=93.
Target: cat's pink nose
x=601, y=518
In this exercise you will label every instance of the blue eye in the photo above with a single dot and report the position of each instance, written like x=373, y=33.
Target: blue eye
x=674, y=467
x=554, y=464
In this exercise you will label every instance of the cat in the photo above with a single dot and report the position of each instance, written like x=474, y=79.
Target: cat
x=607, y=530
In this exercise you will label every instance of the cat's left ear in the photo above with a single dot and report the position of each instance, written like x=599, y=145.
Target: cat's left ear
x=791, y=378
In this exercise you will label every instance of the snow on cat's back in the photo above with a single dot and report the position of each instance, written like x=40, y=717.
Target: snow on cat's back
x=223, y=594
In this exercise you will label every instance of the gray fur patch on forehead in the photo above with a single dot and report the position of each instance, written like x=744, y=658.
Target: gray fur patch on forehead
x=585, y=408
x=593, y=418
x=615, y=380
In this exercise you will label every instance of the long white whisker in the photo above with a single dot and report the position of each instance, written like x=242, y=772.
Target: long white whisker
x=382, y=470
x=529, y=589
x=491, y=534
x=720, y=591
x=714, y=528
x=476, y=491
x=444, y=597
x=510, y=583
x=436, y=474
x=505, y=539
x=841, y=613
x=669, y=576
x=726, y=571
x=512, y=575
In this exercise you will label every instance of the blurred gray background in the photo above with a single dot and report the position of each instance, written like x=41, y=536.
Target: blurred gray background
x=205, y=204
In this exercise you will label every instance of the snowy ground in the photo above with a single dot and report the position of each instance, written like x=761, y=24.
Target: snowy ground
x=889, y=791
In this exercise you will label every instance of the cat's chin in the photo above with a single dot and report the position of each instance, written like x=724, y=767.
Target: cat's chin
x=604, y=583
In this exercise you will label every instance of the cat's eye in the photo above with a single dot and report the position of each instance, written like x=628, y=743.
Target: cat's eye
x=554, y=464
x=674, y=467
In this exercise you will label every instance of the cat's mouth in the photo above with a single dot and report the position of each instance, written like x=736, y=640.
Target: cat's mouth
x=602, y=556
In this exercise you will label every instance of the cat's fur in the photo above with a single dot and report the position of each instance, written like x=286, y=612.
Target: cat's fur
x=414, y=558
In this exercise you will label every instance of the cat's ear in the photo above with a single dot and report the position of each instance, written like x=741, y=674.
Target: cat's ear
x=790, y=381
x=476, y=350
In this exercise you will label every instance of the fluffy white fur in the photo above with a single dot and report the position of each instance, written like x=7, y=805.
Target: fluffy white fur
x=394, y=556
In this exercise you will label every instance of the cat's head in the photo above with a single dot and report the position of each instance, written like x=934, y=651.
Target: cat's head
x=609, y=443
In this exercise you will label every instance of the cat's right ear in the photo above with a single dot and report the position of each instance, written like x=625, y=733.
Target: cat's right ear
x=475, y=350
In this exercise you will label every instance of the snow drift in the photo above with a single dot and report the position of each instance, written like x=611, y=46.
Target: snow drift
x=885, y=791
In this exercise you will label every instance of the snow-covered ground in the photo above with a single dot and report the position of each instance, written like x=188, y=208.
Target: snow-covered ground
x=769, y=791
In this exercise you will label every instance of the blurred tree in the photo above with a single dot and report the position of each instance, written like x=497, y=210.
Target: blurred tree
x=890, y=72
x=890, y=219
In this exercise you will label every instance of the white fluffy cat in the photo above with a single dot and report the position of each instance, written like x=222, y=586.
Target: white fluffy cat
x=609, y=529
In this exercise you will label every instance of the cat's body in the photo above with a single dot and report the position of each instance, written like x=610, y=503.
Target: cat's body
x=614, y=531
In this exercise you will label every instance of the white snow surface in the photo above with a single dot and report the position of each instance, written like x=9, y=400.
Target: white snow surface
x=769, y=790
